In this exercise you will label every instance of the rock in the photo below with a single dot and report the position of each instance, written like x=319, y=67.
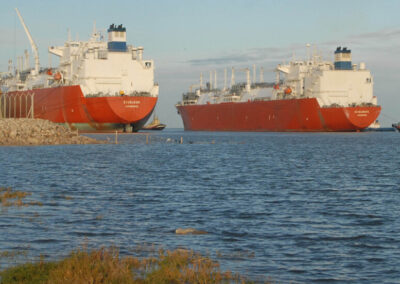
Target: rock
x=189, y=231
x=12, y=133
x=24, y=131
x=32, y=140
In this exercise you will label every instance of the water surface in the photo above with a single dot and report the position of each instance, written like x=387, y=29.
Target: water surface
x=296, y=207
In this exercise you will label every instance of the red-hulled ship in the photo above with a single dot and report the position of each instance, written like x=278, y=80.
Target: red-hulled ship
x=98, y=85
x=314, y=95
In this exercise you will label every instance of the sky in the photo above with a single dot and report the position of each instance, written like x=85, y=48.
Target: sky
x=187, y=37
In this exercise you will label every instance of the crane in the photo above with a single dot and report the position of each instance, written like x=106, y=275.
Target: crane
x=33, y=44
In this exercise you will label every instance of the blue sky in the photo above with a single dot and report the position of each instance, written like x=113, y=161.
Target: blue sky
x=188, y=37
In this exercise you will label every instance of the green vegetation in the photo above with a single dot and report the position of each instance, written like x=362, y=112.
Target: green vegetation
x=106, y=266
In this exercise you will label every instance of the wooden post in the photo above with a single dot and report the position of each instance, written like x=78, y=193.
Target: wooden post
x=1, y=105
x=181, y=140
x=147, y=138
x=32, y=105
x=116, y=136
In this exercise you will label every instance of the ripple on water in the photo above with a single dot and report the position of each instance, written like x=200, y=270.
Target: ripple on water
x=295, y=207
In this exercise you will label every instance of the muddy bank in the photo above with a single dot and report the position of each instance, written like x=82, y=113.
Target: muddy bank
x=26, y=131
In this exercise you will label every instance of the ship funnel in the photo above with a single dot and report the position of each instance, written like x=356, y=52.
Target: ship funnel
x=116, y=38
x=343, y=58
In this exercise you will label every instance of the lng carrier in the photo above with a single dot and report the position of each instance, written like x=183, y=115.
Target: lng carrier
x=99, y=85
x=308, y=95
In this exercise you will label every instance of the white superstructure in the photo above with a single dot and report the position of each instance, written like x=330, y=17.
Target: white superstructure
x=100, y=68
x=106, y=68
x=339, y=83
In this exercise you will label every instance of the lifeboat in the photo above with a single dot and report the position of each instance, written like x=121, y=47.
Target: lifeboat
x=57, y=76
x=288, y=91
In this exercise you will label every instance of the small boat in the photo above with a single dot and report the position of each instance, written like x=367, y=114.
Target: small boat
x=396, y=126
x=376, y=127
x=154, y=125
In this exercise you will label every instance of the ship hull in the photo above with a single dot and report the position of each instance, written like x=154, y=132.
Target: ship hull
x=67, y=105
x=295, y=115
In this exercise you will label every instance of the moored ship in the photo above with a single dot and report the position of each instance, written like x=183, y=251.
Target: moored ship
x=98, y=86
x=312, y=95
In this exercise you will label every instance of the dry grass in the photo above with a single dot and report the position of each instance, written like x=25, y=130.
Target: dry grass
x=106, y=266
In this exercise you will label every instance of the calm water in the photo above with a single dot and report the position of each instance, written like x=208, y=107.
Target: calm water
x=294, y=207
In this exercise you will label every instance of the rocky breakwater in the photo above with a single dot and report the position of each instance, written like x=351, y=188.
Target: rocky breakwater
x=25, y=131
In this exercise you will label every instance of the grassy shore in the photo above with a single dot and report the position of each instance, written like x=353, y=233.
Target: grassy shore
x=105, y=265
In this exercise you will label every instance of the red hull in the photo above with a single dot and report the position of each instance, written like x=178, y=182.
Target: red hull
x=279, y=115
x=69, y=105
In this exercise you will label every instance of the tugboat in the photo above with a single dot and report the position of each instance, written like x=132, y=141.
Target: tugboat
x=396, y=126
x=154, y=125
x=376, y=127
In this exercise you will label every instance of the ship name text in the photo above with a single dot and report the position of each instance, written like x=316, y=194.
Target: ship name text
x=131, y=102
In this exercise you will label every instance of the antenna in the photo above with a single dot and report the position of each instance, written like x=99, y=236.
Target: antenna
x=233, y=77
x=308, y=51
x=215, y=79
x=33, y=44
x=26, y=63
x=254, y=74
x=49, y=60
x=94, y=27
x=211, y=84
x=225, y=78
x=10, y=66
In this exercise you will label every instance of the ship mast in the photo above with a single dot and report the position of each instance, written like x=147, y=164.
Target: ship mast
x=33, y=44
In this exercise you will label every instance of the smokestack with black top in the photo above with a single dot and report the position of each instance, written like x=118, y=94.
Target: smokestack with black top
x=117, y=38
x=343, y=58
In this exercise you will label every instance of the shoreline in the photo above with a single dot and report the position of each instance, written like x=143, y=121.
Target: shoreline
x=38, y=132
